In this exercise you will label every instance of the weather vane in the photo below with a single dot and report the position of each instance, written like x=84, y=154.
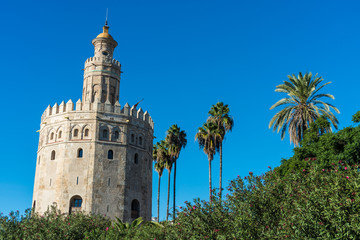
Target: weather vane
x=106, y=16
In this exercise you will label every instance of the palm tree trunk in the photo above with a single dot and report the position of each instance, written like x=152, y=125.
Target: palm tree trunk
x=158, y=200
x=174, y=190
x=168, y=198
x=220, y=177
x=210, y=179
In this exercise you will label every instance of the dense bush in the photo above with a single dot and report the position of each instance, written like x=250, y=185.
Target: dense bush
x=326, y=147
x=51, y=225
x=313, y=203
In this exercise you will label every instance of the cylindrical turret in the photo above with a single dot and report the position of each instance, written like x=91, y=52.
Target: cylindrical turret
x=102, y=72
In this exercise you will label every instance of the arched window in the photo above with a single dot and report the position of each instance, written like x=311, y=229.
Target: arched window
x=132, y=138
x=140, y=141
x=52, y=136
x=135, y=209
x=53, y=155
x=110, y=154
x=105, y=133
x=116, y=135
x=60, y=134
x=76, y=132
x=136, y=158
x=86, y=134
x=80, y=153
x=75, y=204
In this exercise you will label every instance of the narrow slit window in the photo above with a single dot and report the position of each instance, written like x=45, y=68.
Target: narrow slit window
x=53, y=155
x=136, y=158
x=105, y=134
x=80, y=153
x=109, y=182
x=50, y=182
x=77, y=180
x=110, y=154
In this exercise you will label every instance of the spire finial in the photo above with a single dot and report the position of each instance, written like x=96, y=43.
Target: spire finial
x=106, y=17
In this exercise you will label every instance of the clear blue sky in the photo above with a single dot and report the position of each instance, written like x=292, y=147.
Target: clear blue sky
x=181, y=57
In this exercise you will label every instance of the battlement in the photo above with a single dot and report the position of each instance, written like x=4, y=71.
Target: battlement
x=102, y=60
x=107, y=107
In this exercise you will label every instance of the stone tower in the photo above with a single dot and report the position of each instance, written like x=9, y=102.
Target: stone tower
x=94, y=155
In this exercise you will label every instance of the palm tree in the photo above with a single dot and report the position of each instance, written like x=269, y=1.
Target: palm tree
x=207, y=141
x=219, y=114
x=163, y=153
x=176, y=140
x=159, y=167
x=302, y=106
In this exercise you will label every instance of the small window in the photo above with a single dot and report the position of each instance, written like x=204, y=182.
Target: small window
x=34, y=205
x=77, y=180
x=52, y=136
x=110, y=154
x=53, y=155
x=136, y=158
x=107, y=208
x=50, y=182
x=132, y=138
x=60, y=134
x=86, y=132
x=105, y=134
x=140, y=141
x=80, y=153
x=135, y=209
x=109, y=182
x=76, y=132
x=39, y=160
x=116, y=135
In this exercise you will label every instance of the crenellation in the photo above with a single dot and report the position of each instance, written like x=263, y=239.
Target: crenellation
x=140, y=114
x=126, y=110
x=133, y=112
x=146, y=117
x=55, y=108
x=69, y=106
x=62, y=107
x=48, y=110
x=117, y=107
x=108, y=107
x=78, y=105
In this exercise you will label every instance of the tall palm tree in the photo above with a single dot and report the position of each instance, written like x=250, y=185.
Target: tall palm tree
x=302, y=106
x=159, y=167
x=207, y=141
x=168, y=163
x=176, y=140
x=219, y=114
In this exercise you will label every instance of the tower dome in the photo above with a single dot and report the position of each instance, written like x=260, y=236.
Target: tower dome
x=105, y=33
